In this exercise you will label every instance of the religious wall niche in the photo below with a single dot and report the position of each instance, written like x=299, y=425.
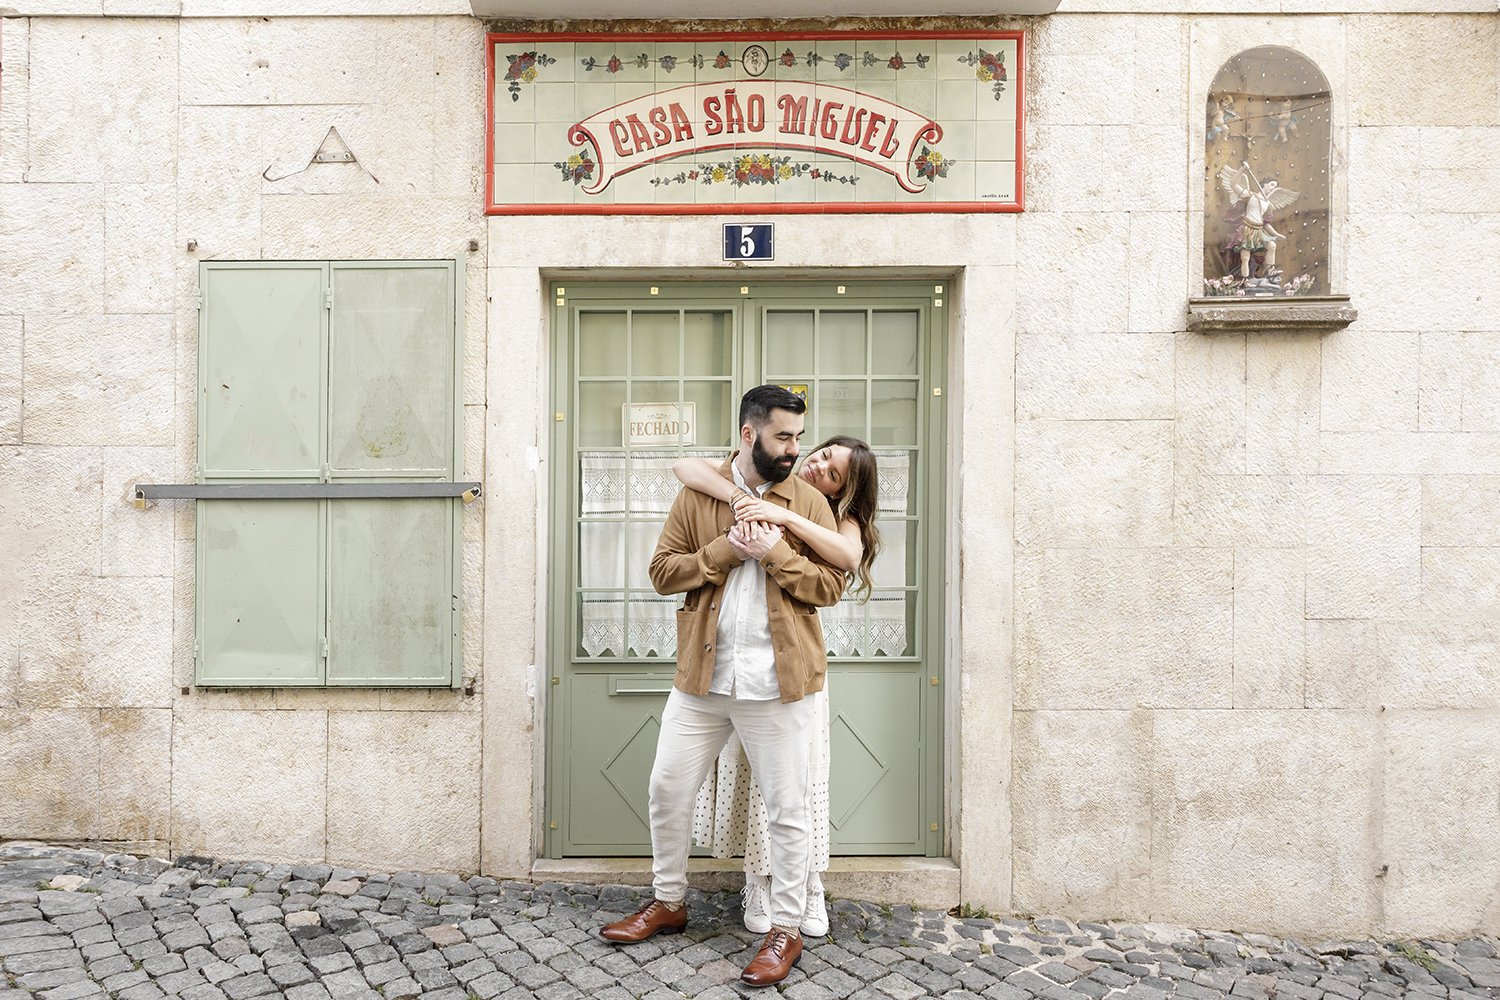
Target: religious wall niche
x=1267, y=144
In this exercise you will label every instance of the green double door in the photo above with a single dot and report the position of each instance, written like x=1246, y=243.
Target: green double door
x=644, y=374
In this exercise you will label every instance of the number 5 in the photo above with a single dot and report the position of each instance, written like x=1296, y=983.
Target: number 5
x=747, y=241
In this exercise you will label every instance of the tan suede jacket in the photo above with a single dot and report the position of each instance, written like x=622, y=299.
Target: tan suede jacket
x=694, y=557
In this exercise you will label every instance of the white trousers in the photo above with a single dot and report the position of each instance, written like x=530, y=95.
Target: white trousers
x=694, y=728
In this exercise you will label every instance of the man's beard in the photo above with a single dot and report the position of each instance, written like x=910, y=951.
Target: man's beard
x=772, y=470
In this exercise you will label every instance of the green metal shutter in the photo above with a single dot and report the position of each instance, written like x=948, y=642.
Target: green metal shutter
x=328, y=372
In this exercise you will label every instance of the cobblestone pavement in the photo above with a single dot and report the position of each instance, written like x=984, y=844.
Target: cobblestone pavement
x=78, y=923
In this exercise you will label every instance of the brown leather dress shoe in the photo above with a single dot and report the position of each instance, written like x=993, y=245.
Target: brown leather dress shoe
x=774, y=960
x=653, y=918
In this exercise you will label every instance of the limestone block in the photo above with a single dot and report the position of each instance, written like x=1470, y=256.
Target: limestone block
x=343, y=227
x=1370, y=381
x=1082, y=802
x=1436, y=664
x=1261, y=819
x=1160, y=54
x=135, y=542
x=1239, y=511
x=14, y=124
x=1461, y=510
x=392, y=144
x=139, y=233
x=118, y=80
x=1364, y=537
x=1073, y=266
x=223, y=229
x=50, y=521
x=50, y=760
x=322, y=8
x=306, y=61
x=135, y=773
x=1093, y=34
x=142, y=8
x=1441, y=823
x=427, y=700
x=51, y=248
x=476, y=330
x=99, y=380
x=1100, y=376
x=1424, y=47
x=1066, y=164
x=1156, y=179
x=1405, y=452
x=1124, y=628
x=1158, y=272
x=1461, y=583
x=1269, y=657
x=1384, y=169
x=1480, y=383
x=228, y=157
x=1363, y=509
x=90, y=642
x=1094, y=482
x=1283, y=377
x=458, y=88
x=1211, y=422
x=249, y=784
x=1440, y=393
x=326, y=699
x=472, y=583
x=1082, y=88
x=1343, y=667
x=1457, y=293
x=426, y=766
x=11, y=336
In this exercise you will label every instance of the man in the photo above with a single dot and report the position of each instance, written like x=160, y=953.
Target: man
x=749, y=647
x=1255, y=233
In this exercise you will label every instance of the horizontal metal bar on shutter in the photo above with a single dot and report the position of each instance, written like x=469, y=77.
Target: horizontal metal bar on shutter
x=304, y=491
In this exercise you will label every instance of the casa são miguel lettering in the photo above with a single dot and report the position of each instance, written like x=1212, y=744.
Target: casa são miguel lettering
x=747, y=113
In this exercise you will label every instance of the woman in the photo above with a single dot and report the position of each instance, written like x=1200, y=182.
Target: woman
x=730, y=816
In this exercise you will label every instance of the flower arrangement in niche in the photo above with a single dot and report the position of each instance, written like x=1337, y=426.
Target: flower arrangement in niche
x=1233, y=284
x=577, y=168
x=930, y=164
x=524, y=67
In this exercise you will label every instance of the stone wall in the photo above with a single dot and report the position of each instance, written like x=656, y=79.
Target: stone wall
x=1223, y=608
x=131, y=149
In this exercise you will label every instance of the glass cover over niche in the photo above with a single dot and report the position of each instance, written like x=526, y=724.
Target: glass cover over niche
x=1266, y=185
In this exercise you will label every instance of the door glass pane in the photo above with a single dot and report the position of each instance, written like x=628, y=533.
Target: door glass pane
x=716, y=409
x=896, y=495
x=652, y=628
x=841, y=343
x=894, y=343
x=788, y=344
x=881, y=626
x=896, y=564
x=655, y=342
x=390, y=377
x=601, y=554
x=601, y=343
x=839, y=408
x=601, y=625
x=641, y=539
x=893, y=413
x=707, y=343
x=599, y=414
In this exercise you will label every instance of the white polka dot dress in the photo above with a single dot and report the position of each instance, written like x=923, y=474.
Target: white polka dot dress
x=729, y=816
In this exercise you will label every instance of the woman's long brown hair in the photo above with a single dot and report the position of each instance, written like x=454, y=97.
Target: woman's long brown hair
x=859, y=500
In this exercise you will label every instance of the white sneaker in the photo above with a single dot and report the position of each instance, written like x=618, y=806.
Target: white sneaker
x=815, y=916
x=756, y=897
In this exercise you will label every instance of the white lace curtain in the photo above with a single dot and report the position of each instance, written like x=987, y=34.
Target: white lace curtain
x=624, y=502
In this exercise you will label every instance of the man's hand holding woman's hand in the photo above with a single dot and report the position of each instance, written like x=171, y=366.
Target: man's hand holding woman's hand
x=753, y=539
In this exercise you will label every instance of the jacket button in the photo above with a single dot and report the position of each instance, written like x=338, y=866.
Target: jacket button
x=713, y=607
x=707, y=646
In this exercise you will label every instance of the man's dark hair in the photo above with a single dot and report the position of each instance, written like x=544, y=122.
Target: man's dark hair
x=757, y=404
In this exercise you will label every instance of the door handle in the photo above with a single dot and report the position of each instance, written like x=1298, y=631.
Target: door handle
x=634, y=684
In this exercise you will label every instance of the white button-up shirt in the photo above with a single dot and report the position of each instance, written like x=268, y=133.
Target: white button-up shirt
x=746, y=663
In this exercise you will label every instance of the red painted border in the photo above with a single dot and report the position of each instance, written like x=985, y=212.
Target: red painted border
x=491, y=39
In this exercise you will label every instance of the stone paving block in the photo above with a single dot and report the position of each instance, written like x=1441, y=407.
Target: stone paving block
x=120, y=980
x=490, y=985
x=400, y=988
x=145, y=991
x=203, y=992
x=73, y=991
x=254, y=985
x=899, y=987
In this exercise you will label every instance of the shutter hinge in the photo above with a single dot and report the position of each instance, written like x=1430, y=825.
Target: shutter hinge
x=325, y=647
x=200, y=301
x=328, y=298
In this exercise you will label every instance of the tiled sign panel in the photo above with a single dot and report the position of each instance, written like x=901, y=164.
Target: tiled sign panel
x=699, y=123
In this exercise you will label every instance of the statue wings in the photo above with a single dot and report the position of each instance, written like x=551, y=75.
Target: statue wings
x=1237, y=182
